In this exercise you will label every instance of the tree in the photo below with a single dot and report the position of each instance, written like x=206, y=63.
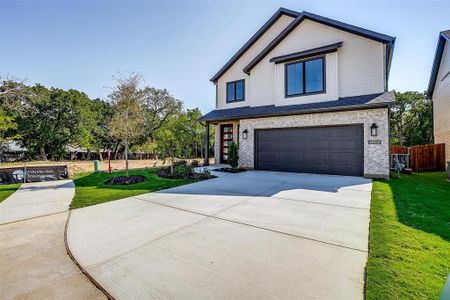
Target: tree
x=411, y=119
x=126, y=124
x=170, y=140
x=52, y=119
x=158, y=107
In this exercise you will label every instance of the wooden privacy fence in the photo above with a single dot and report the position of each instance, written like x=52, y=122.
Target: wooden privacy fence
x=423, y=158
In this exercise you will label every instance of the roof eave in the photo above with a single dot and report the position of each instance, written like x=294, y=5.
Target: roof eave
x=280, y=12
x=303, y=112
x=436, y=63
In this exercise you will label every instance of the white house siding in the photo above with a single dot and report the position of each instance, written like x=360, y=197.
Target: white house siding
x=376, y=156
x=441, y=102
x=358, y=68
x=235, y=71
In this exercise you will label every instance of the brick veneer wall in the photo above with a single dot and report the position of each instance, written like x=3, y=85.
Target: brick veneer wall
x=376, y=156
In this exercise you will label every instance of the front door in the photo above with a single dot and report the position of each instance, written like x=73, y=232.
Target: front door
x=226, y=137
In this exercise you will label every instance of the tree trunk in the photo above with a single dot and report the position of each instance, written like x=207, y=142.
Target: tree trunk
x=100, y=156
x=171, y=165
x=126, y=156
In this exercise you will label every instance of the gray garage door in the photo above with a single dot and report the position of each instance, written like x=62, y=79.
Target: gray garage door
x=325, y=150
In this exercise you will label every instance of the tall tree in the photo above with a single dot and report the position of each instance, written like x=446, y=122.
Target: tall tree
x=53, y=119
x=126, y=124
x=411, y=119
x=158, y=107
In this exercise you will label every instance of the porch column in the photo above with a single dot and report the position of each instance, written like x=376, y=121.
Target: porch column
x=206, y=162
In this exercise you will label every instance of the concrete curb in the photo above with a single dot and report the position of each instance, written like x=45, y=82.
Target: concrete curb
x=84, y=271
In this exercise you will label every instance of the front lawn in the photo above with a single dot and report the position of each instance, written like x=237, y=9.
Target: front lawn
x=7, y=189
x=91, y=188
x=409, y=255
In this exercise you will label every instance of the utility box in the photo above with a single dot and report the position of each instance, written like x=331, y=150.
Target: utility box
x=96, y=166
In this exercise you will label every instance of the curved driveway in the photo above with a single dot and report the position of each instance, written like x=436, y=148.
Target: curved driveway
x=253, y=235
x=33, y=259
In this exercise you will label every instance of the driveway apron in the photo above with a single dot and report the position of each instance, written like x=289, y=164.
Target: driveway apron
x=252, y=235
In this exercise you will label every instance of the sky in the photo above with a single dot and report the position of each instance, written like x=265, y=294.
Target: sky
x=180, y=45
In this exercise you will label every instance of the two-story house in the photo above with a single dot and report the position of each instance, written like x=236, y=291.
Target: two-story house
x=306, y=94
x=439, y=92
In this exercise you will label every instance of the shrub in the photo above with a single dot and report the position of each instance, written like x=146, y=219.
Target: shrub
x=182, y=171
x=233, y=156
x=195, y=164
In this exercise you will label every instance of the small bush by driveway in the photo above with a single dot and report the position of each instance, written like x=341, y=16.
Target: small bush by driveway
x=409, y=237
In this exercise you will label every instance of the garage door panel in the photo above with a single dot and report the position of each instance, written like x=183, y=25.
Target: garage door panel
x=327, y=150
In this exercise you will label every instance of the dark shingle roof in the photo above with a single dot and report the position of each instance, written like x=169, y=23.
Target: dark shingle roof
x=444, y=36
x=347, y=103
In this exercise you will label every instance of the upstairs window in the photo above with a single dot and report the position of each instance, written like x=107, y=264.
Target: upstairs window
x=236, y=91
x=306, y=77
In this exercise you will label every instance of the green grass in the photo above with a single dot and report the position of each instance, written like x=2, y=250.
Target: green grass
x=91, y=188
x=7, y=189
x=409, y=254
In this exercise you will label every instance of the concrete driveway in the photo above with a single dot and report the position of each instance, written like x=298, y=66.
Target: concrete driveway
x=33, y=260
x=248, y=235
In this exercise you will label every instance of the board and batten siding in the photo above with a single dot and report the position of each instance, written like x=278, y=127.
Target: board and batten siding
x=235, y=71
x=358, y=68
x=441, y=103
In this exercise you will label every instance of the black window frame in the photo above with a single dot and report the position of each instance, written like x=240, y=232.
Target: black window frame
x=304, y=93
x=235, y=84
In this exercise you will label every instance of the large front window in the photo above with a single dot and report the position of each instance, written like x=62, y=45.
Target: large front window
x=236, y=91
x=305, y=77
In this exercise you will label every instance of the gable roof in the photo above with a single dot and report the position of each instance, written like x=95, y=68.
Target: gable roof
x=341, y=104
x=280, y=12
x=379, y=37
x=443, y=37
x=300, y=17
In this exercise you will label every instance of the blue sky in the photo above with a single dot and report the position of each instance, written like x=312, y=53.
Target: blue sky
x=179, y=45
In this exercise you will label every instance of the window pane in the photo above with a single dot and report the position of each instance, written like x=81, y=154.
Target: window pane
x=294, y=80
x=230, y=92
x=240, y=90
x=314, y=75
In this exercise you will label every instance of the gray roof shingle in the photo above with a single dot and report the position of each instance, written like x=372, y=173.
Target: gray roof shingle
x=347, y=103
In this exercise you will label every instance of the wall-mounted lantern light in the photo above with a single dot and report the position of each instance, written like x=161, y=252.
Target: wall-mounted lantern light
x=245, y=134
x=374, y=129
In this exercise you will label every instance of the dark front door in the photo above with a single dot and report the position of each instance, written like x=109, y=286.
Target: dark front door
x=226, y=137
x=327, y=150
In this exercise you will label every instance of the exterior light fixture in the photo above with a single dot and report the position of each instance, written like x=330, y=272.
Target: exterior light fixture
x=374, y=129
x=245, y=134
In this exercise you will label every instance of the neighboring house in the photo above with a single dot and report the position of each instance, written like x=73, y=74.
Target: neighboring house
x=306, y=94
x=439, y=92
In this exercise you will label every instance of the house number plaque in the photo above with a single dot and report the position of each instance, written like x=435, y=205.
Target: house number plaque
x=374, y=141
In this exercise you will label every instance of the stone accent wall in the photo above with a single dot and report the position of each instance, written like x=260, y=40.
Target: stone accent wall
x=376, y=156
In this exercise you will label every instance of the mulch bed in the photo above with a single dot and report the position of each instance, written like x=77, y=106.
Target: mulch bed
x=124, y=180
x=230, y=170
x=165, y=173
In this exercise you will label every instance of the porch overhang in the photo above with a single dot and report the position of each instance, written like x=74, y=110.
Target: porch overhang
x=342, y=104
